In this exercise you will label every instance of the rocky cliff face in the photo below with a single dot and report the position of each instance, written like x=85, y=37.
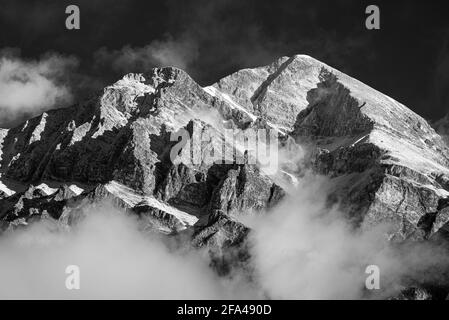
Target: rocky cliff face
x=385, y=163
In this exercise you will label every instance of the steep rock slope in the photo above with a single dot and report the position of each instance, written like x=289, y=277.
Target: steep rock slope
x=386, y=163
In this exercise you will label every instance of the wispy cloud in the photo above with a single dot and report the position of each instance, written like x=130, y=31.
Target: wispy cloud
x=176, y=52
x=29, y=87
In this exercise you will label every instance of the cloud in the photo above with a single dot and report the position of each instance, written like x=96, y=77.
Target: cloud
x=300, y=250
x=29, y=87
x=116, y=260
x=180, y=52
x=305, y=250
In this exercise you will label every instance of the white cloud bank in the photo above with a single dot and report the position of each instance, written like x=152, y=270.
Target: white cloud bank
x=304, y=250
x=300, y=250
x=116, y=261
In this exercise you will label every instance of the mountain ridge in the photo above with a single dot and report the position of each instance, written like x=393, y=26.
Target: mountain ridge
x=385, y=163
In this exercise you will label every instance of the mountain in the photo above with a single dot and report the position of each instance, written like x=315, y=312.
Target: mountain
x=116, y=147
x=385, y=163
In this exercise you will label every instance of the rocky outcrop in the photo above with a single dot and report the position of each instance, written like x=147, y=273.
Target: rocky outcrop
x=226, y=240
x=243, y=189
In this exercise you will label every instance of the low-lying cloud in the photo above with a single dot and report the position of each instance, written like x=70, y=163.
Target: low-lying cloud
x=305, y=250
x=300, y=250
x=116, y=260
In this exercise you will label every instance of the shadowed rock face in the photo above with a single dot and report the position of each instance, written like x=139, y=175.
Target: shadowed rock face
x=384, y=162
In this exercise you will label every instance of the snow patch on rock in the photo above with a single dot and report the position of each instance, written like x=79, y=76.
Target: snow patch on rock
x=76, y=190
x=46, y=189
x=5, y=189
x=3, y=134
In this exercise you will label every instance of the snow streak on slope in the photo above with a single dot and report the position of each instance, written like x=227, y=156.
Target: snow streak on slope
x=3, y=134
x=132, y=199
x=5, y=189
x=215, y=93
x=36, y=136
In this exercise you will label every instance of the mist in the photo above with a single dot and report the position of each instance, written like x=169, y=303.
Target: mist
x=301, y=249
x=176, y=52
x=30, y=87
x=116, y=260
x=305, y=250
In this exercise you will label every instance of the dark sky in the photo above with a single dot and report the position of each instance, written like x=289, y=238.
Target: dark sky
x=407, y=59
